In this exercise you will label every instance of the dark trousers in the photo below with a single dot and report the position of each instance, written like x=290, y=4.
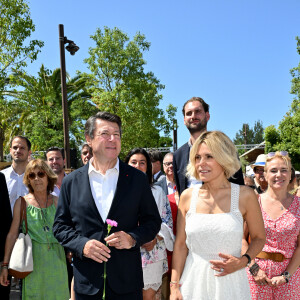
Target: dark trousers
x=111, y=295
x=4, y=292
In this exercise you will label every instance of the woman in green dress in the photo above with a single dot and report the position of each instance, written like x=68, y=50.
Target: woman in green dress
x=49, y=278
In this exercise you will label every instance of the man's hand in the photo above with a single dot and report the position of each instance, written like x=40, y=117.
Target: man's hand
x=97, y=251
x=120, y=240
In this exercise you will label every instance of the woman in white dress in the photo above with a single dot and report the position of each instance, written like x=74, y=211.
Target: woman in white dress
x=154, y=254
x=207, y=259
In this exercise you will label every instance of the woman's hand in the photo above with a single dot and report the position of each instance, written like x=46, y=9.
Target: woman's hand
x=262, y=279
x=175, y=293
x=228, y=265
x=278, y=280
x=3, y=277
x=150, y=245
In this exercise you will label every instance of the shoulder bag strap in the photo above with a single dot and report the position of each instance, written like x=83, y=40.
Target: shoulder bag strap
x=23, y=214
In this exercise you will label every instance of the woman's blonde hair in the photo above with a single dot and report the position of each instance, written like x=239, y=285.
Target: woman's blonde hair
x=222, y=150
x=43, y=166
x=279, y=154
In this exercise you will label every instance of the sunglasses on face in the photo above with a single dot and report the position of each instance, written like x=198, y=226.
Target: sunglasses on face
x=167, y=164
x=39, y=174
x=283, y=153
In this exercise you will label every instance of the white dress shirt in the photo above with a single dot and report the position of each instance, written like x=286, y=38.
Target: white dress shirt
x=171, y=187
x=15, y=185
x=56, y=189
x=103, y=187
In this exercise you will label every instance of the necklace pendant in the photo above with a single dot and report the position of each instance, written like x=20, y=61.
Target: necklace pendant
x=46, y=228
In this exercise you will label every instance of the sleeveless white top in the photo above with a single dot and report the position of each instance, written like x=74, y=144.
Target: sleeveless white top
x=206, y=236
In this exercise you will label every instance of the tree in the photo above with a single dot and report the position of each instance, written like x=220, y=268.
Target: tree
x=122, y=86
x=16, y=27
x=248, y=135
x=287, y=136
x=38, y=108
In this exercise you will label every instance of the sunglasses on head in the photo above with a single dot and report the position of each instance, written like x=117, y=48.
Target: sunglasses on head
x=283, y=153
x=39, y=174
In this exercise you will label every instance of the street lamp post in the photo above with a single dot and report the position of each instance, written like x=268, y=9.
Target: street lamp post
x=72, y=48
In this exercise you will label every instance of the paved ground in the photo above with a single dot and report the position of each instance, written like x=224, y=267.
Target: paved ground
x=14, y=294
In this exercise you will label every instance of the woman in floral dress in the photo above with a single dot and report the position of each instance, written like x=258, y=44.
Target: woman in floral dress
x=154, y=254
x=275, y=273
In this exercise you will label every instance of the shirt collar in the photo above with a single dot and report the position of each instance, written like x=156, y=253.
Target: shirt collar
x=92, y=169
x=169, y=183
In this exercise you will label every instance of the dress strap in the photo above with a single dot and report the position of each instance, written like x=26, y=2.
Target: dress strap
x=235, y=196
x=194, y=199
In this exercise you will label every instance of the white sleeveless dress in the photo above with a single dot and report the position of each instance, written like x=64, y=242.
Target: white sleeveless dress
x=207, y=236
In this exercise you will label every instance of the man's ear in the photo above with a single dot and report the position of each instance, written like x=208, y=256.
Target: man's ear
x=88, y=140
x=207, y=116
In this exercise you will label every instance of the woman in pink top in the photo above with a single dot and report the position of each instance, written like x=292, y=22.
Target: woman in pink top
x=275, y=274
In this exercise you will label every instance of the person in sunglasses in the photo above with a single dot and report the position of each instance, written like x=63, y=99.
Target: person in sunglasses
x=49, y=277
x=275, y=273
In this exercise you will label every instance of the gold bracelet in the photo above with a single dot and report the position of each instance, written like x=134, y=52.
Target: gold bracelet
x=173, y=283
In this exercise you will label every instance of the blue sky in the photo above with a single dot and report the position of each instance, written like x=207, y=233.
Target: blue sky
x=235, y=54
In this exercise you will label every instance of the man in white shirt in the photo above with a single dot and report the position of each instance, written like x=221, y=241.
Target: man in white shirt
x=56, y=160
x=20, y=150
x=106, y=188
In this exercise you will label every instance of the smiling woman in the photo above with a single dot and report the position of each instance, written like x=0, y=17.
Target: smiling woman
x=207, y=259
x=275, y=274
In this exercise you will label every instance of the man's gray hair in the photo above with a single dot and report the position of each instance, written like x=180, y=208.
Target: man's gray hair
x=90, y=124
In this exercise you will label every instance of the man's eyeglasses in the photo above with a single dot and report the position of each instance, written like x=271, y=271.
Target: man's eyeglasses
x=258, y=171
x=167, y=164
x=39, y=174
x=283, y=153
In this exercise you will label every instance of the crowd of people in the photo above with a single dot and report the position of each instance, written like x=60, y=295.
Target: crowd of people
x=188, y=225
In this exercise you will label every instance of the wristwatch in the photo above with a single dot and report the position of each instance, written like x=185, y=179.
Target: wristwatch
x=254, y=269
x=286, y=275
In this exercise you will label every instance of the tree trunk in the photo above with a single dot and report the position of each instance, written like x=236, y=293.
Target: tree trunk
x=1, y=144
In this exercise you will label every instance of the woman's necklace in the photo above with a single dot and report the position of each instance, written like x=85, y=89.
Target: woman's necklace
x=45, y=227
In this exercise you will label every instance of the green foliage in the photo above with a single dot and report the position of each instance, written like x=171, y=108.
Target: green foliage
x=248, y=135
x=38, y=108
x=287, y=136
x=272, y=137
x=16, y=27
x=244, y=163
x=120, y=85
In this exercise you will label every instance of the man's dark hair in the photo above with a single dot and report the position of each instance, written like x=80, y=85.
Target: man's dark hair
x=90, y=124
x=61, y=150
x=148, y=161
x=86, y=145
x=155, y=155
x=22, y=138
x=204, y=104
